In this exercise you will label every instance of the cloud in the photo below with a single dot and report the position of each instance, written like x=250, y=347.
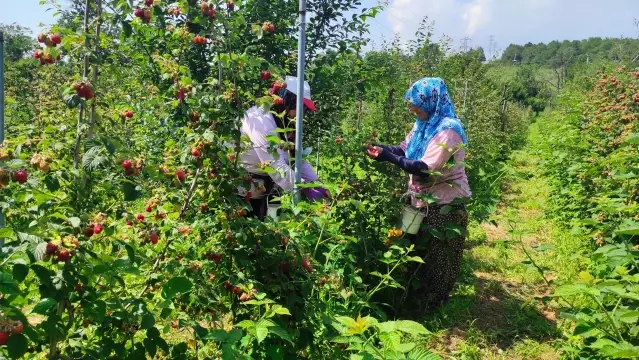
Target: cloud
x=516, y=21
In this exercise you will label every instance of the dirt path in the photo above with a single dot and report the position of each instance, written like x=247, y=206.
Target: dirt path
x=501, y=308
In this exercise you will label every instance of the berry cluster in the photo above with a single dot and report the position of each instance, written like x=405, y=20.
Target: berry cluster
x=8, y=326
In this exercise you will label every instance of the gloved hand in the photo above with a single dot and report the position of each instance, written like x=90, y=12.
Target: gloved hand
x=314, y=194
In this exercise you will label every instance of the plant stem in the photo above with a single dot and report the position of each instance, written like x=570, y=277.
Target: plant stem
x=94, y=78
x=85, y=73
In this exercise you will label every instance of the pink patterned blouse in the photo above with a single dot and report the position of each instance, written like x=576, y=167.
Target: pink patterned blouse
x=443, y=155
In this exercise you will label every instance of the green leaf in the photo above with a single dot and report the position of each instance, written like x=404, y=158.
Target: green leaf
x=246, y=324
x=629, y=317
x=216, y=335
x=6, y=232
x=281, y=333
x=391, y=340
x=234, y=336
x=127, y=30
x=386, y=326
x=7, y=285
x=346, y=321
x=415, y=259
x=20, y=272
x=422, y=354
x=40, y=251
x=411, y=327
x=631, y=230
x=17, y=346
x=280, y=310
x=404, y=348
x=147, y=321
x=621, y=351
x=44, y=306
x=150, y=347
x=75, y=222
x=175, y=286
x=261, y=333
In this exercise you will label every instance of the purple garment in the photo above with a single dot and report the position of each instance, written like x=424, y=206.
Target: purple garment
x=314, y=194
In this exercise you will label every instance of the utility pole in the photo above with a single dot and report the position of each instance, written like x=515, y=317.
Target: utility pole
x=301, y=57
x=491, y=46
x=465, y=44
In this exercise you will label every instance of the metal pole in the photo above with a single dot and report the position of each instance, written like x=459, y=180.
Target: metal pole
x=1, y=112
x=300, y=99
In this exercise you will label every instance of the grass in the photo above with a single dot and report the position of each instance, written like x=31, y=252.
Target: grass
x=501, y=308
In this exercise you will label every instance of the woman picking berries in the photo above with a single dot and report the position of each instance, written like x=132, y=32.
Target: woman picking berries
x=257, y=126
x=433, y=155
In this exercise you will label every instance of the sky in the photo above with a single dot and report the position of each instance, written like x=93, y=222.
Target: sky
x=508, y=21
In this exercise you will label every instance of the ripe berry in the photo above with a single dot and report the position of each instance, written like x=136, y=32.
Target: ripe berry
x=129, y=223
x=3, y=337
x=55, y=39
x=51, y=248
x=211, y=13
x=128, y=114
x=230, y=5
x=146, y=16
x=64, y=255
x=148, y=3
x=21, y=176
x=149, y=208
x=139, y=13
x=195, y=152
x=154, y=238
x=181, y=94
x=97, y=228
x=37, y=54
x=237, y=290
x=306, y=264
x=195, y=116
x=232, y=157
x=88, y=231
x=127, y=164
x=227, y=285
x=174, y=324
x=140, y=217
x=271, y=28
x=17, y=328
x=199, y=40
x=42, y=37
x=278, y=101
x=181, y=174
x=204, y=208
x=245, y=297
x=265, y=75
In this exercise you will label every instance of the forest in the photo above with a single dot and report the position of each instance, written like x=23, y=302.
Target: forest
x=125, y=237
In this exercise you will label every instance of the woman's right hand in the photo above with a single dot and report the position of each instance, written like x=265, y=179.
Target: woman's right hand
x=373, y=152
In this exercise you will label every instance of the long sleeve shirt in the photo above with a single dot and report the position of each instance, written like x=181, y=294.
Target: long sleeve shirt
x=257, y=125
x=444, y=157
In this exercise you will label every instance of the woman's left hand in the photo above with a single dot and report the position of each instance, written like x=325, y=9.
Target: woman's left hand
x=373, y=152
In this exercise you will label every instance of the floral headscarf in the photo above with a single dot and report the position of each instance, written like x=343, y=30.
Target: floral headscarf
x=431, y=95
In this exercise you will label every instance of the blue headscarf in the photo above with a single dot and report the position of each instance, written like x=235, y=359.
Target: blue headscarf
x=431, y=95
